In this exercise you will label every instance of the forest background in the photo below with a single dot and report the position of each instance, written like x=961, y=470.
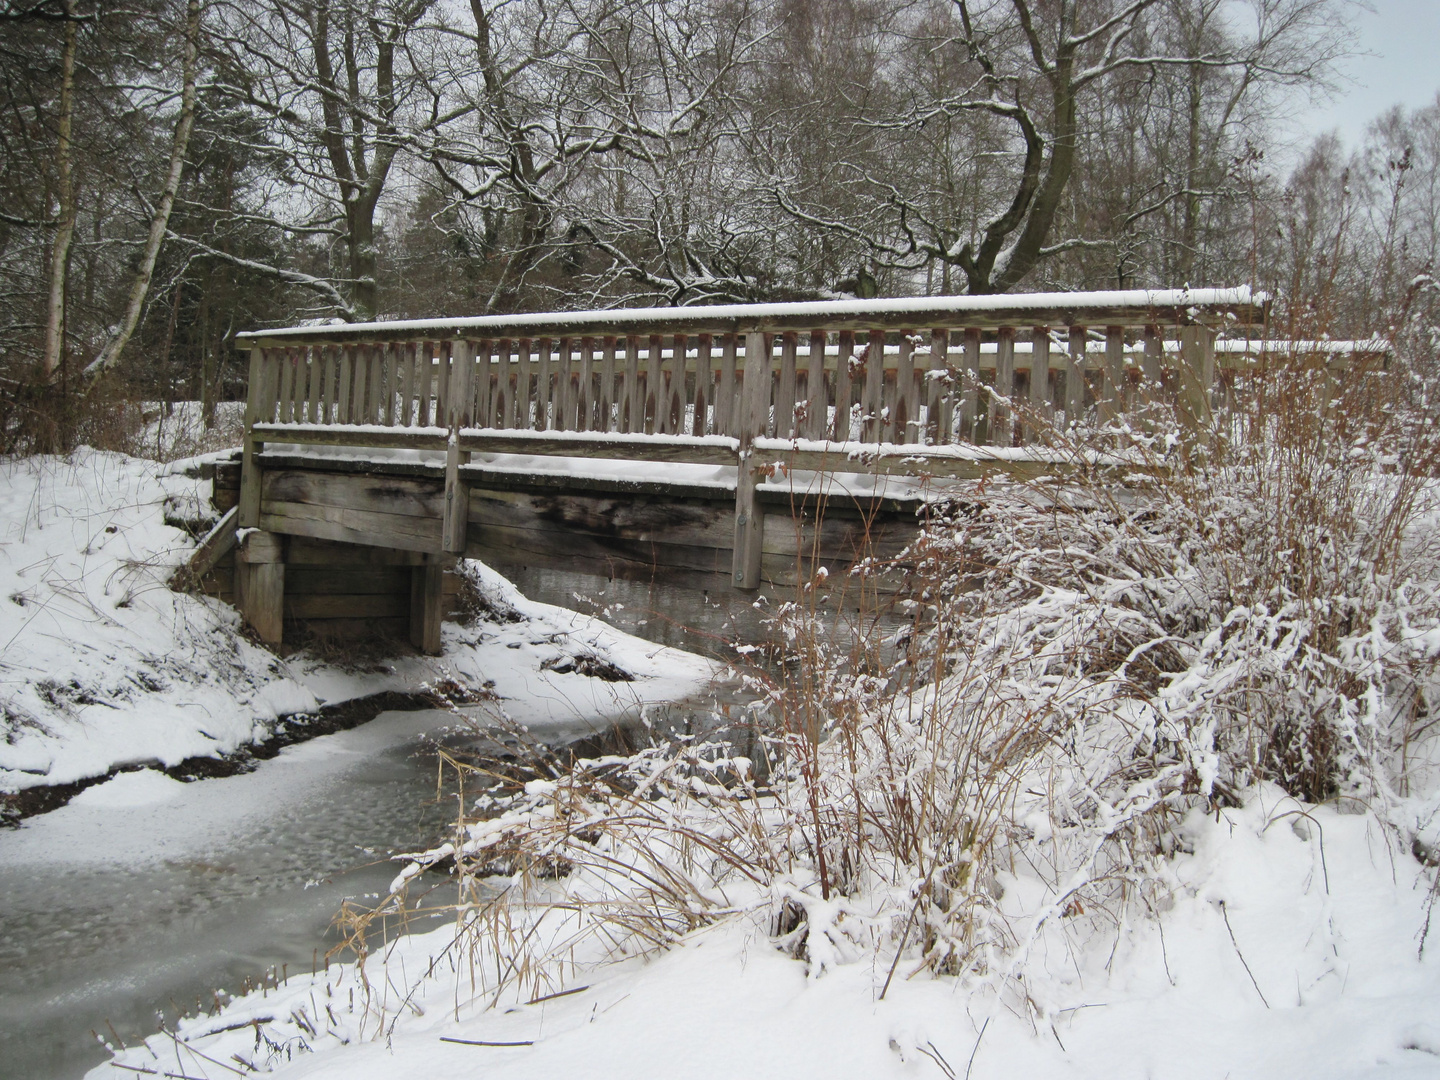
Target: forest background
x=175, y=171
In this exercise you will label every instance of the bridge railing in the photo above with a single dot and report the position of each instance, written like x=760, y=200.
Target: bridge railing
x=951, y=380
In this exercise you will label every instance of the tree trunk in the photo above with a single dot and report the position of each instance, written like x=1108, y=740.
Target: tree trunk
x=364, y=259
x=54, y=346
x=140, y=287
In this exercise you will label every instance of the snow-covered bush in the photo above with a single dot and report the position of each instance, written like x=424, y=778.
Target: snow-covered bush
x=1080, y=664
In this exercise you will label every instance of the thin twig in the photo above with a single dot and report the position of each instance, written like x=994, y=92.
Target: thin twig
x=1238, y=953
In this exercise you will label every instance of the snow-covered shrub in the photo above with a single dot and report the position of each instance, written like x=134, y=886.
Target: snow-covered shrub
x=1080, y=664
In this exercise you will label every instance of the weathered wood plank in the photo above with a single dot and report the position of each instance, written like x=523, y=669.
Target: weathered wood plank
x=351, y=526
x=395, y=495
x=1112, y=400
x=309, y=552
x=345, y=435
x=340, y=606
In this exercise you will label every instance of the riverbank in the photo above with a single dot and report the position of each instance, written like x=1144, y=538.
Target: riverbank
x=105, y=669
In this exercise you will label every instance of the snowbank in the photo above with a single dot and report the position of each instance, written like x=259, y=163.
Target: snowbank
x=1290, y=949
x=102, y=665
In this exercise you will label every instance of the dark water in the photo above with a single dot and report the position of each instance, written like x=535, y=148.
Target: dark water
x=117, y=919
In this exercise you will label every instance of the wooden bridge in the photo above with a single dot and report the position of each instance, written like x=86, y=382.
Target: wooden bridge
x=742, y=444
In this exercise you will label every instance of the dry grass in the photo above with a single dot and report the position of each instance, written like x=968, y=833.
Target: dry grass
x=1075, y=667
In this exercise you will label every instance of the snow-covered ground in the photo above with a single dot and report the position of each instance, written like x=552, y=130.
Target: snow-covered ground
x=1290, y=949
x=102, y=665
x=1275, y=939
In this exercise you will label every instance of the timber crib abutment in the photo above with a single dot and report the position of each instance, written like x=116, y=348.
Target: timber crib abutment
x=658, y=441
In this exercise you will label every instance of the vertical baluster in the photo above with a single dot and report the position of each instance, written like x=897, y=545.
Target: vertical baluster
x=424, y=380
x=283, y=396
x=373, y=409
x=970, y=385
x=1039, y=378
x=310, y=364
x=902, y=414
x=359, y=368
x=484, y=373
x=1112, y=395
x=1075, y=376
x=582, y=406
x=785, y=392
x=650, y=382
x=564, y=395
x=342, y=387
x=631, y=418
x=1150, y=371
x=405, y=366
x=504, y=385
x=327, y=384
x=543, y=369
x=937, y=389
x=817, y=400
x=606, y=420
x=444, y=360
x=385, y=412
x=680, y=375
x=725, y=394
x=1001, y=432
x=520, y=391
x=704, y=385
x=662, y=378
x=872, y=404
x=302, y=384
x=843, y=389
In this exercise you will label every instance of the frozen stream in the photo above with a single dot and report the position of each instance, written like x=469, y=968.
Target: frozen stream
x=144, y=895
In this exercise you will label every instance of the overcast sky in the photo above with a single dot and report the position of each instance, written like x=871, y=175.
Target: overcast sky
x=1403, y=38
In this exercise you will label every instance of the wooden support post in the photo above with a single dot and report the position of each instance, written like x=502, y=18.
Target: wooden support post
x=749, y=514
x=260, y=584
x=427, y=604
